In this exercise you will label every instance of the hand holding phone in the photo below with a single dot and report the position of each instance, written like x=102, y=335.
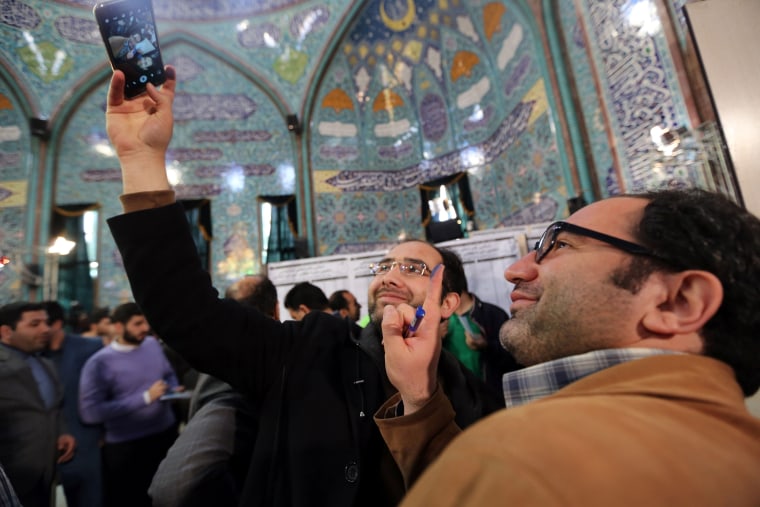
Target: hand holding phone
x=128, y=29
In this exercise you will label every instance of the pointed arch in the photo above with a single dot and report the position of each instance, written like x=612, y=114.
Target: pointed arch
x=24, y=108
x=307, y=112
x=246, y=98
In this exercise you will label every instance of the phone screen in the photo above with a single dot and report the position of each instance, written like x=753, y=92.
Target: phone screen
x=129, y=33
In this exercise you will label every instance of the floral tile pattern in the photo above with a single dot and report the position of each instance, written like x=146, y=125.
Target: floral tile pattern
x=416, y=95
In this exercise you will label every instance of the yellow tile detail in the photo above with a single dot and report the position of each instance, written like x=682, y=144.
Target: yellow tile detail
x=537, y=93
x=18, y=191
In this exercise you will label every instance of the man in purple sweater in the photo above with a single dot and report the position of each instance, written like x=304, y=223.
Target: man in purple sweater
x=121, y=387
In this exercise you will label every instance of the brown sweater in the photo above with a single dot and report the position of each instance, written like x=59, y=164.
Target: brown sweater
x=667, y=430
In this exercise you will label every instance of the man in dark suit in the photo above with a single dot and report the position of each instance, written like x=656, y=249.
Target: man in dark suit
x=32, y=435
x=82, y=476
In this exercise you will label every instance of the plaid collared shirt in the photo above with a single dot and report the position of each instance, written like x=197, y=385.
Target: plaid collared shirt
x=543, y=379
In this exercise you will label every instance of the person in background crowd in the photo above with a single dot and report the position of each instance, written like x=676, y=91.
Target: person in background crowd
x=303, y=298
x=121, y=388
x=208, y=463
x=33, y=436
x=187, y=376
x=99, y=325
x=637, y=319
x=345, y=305
x=82, y=475
x=473, y=335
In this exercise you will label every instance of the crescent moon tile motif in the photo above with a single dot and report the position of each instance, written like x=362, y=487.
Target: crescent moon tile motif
x=401, y=14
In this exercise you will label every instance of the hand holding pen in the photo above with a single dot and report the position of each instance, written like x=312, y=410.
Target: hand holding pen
x=412, y=341
x=419, y=314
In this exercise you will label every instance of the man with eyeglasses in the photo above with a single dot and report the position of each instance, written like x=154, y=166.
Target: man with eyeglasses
x=316, y=382
x=638, y=318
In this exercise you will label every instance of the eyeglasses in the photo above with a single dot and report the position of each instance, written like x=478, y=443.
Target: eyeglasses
x=549, y=239
x=406, y=268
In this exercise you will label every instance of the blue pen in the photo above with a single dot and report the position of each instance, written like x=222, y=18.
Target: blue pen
x=419, y=314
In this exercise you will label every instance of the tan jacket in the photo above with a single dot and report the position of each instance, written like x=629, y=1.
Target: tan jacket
x=667, y=430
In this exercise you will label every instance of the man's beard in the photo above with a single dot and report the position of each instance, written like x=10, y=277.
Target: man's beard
x=376, y=327
x=132, y=339
x=372, y=308
x=555, y=327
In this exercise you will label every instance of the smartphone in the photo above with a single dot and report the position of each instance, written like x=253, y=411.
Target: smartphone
x=129, y=33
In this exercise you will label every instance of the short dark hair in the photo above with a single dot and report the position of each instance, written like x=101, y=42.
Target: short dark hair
x=99, y=314
x=454, y=278
x=257, y=291
x=338, y=301
x=11, y=314
x=305, y=293
x=697, y=229
x=54, y=311
x=124, y=312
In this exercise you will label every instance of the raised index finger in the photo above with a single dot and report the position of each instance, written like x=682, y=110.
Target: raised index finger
x=435, y=286
x=432, y=304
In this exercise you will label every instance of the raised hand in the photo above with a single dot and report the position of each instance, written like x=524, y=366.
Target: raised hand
x=412, y=362
x=140, y=131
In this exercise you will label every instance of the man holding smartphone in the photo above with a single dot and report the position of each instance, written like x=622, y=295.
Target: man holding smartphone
x=317, y=381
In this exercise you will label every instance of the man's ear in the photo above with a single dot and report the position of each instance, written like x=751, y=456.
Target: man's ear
x=5, y=333
x=689, y=300
x=449, y=305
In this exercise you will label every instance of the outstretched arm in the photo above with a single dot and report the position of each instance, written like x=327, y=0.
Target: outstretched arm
x=161, y=260
x=140, y=131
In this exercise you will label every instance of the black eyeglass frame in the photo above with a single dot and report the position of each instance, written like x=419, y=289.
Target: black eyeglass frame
x=554, y=229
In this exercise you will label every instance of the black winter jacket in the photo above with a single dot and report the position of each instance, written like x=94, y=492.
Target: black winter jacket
x=317, y=382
